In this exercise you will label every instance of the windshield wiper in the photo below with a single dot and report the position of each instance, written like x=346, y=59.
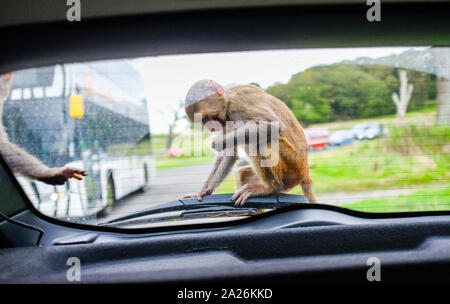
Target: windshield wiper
x=219, y=203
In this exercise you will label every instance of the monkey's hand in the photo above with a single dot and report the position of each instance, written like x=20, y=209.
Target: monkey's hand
x=248, y=190
x=58, y=176
x=199, y=195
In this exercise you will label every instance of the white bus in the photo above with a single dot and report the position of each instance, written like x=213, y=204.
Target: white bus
x=110, y=139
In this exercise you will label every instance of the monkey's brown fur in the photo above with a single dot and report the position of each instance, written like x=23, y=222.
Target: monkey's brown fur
x=250, y=103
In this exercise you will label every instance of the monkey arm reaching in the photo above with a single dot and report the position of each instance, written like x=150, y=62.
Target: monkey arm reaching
x=23, y=163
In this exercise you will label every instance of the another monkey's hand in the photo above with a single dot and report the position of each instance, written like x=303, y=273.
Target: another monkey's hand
x=5, y=85
x=199, y=194
x=58, y=176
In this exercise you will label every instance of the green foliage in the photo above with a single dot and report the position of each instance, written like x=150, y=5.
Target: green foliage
x=308, y=105
x=349, y=91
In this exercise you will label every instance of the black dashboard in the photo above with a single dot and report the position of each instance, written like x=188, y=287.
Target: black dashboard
x=305, y=245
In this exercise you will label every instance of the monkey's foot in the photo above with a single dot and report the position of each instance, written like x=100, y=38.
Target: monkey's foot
x=248, y=190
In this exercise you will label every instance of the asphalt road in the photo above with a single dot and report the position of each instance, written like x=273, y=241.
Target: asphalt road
x=168, y=185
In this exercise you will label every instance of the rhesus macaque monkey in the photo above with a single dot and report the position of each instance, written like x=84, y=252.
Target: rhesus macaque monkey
x=255, y=110
x=23, y=163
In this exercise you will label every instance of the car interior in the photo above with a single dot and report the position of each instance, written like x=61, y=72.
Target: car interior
x=300, y=243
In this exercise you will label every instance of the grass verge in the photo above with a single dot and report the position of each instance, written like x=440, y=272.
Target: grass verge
x=421, y=200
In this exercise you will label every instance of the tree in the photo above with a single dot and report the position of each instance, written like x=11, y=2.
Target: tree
x=282, y=92
x=405, y=95
x=176, y=116
x=255, y=84
x=308, y=105
x=442, y=60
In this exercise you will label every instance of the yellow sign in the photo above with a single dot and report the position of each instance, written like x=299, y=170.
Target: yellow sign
x=76, y=106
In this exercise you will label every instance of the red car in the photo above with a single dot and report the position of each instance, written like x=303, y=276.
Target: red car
x=317, y=138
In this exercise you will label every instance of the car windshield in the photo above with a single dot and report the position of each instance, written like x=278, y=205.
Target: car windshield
x=147, y=142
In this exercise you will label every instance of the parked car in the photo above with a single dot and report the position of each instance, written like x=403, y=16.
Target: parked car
x=358, y=131
x=367, y=130
x=340, y=137
x=374, y=130
x=317, y=138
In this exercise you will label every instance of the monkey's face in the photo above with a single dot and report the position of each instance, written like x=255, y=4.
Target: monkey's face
x=213, y=112
x=205, y=103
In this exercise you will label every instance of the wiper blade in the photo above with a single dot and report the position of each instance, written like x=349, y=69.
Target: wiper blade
x=198, y=214
x=215, y=202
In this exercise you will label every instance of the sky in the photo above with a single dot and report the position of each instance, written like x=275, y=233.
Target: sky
x=168, y=78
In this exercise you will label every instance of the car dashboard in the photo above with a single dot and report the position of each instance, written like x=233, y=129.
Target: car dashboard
x=317, y=245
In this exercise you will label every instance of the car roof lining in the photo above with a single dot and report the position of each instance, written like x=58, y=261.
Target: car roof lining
x=50, y=11
x=221, y=31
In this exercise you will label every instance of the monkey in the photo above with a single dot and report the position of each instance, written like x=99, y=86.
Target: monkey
x=256, y=110
x=23, y=163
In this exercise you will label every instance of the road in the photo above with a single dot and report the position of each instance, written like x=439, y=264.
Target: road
x=169, y=185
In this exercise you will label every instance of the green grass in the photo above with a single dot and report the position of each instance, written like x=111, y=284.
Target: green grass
x=385, y=163
x=228, y=185
x=164, y=162
x=192, y=154
x=421, y=200
x=159, y=141
x=143, y=147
